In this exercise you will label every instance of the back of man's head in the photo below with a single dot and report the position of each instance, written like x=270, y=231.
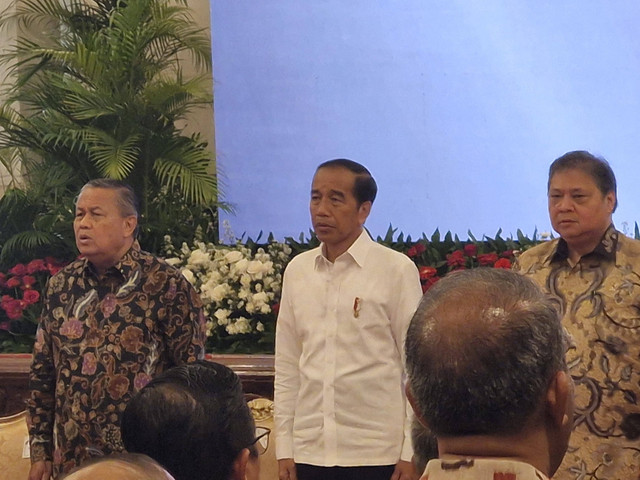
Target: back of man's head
x=482, y=350
x=126, y=466
x=192, y=419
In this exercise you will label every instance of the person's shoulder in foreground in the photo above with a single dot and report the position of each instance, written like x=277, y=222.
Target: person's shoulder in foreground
x=485, y=356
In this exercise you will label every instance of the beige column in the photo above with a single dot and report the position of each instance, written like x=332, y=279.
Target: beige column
x=7, y=37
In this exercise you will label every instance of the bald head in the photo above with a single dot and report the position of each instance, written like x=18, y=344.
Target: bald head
x=122, y=467
x=481, y=350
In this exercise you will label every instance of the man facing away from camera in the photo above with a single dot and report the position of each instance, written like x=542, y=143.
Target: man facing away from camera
x=194, y=420
x=340, y=408
x=111, y=320
x=487, y=374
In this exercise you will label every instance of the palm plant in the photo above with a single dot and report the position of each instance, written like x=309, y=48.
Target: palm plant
x=98, y=92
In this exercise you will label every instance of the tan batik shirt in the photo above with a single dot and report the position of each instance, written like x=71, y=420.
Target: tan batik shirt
x=481, y=469
x=599, y=299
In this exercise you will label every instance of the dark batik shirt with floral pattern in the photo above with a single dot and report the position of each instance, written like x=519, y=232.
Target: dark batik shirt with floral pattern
x=101, y=338
x=599, y=299
x=481, y=469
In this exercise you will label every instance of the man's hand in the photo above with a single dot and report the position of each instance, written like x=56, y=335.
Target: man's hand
x=404, y=471
x=286, y=469
x=41, y=470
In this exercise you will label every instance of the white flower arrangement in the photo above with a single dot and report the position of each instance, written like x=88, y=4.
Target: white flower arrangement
x=239, y=287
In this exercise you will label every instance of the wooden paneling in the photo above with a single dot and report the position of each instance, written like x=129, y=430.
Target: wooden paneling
x=256, y=372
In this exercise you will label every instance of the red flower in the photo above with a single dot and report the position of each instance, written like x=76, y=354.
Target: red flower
x=31, y=296
x=470, y=250
x=28, y=281
x=19, y=270
x=53, y=269
x=36, y=265
x=487, y=259
x=456, y=259
x=416, y=249
x=507, y=254
x=427, y=272
x=13, y=282
x=429, y=283
x=503, y=263
x=3, y=279
x=12, y=307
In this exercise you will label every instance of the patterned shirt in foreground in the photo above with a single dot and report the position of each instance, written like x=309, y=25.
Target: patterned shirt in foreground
x=599, y=299
x=100, y=340
x=481, y=469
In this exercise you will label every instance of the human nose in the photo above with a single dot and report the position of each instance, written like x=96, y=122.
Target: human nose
x=321, y=207
x=83, y=221
x=564, y=203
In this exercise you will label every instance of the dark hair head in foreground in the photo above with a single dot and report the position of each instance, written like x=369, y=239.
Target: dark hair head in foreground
x=193, y=419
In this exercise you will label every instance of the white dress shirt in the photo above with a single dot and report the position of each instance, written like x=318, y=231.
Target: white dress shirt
x=339, y=381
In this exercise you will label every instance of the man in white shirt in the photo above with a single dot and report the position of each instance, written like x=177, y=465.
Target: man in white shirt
x=340, y=407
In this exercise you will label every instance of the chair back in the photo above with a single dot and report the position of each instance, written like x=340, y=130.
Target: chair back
x=13, y=435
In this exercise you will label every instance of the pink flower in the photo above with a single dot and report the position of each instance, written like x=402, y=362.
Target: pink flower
x=89, y=364
x=28, y=281
x=71, y=328
x=37, y=265
x=31, y=296
x=13, y=308
x=13, y=282
x=19, y=270
x=140, y=380
x=108, y=305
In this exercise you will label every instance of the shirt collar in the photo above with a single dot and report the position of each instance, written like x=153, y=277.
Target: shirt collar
x=357, y=251
x=605, y=250
x=125, y=266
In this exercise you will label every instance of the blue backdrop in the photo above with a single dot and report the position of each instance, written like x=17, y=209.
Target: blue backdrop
x=457, y=107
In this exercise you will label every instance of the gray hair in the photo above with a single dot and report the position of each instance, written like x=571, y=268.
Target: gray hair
x=127, y=199
x=481, y=350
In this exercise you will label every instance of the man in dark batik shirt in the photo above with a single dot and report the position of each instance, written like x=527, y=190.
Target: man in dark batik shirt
x=112, y=320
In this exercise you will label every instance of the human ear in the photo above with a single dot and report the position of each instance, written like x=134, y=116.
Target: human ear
x=130, y=224
x=560, y=398
x=610, y=198
x=363, y=211
x=239, y=467
x=414, y=406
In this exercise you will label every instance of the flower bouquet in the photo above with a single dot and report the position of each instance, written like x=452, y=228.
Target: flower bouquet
x=21, y=289
x=240, y=288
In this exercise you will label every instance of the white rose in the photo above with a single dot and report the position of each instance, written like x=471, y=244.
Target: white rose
x=188, y=274
x=219, y=292
x=198, y=257
x=245, y=280
x=241, y=266
x=233, y=256
x=260, y=298
x=250, y=307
